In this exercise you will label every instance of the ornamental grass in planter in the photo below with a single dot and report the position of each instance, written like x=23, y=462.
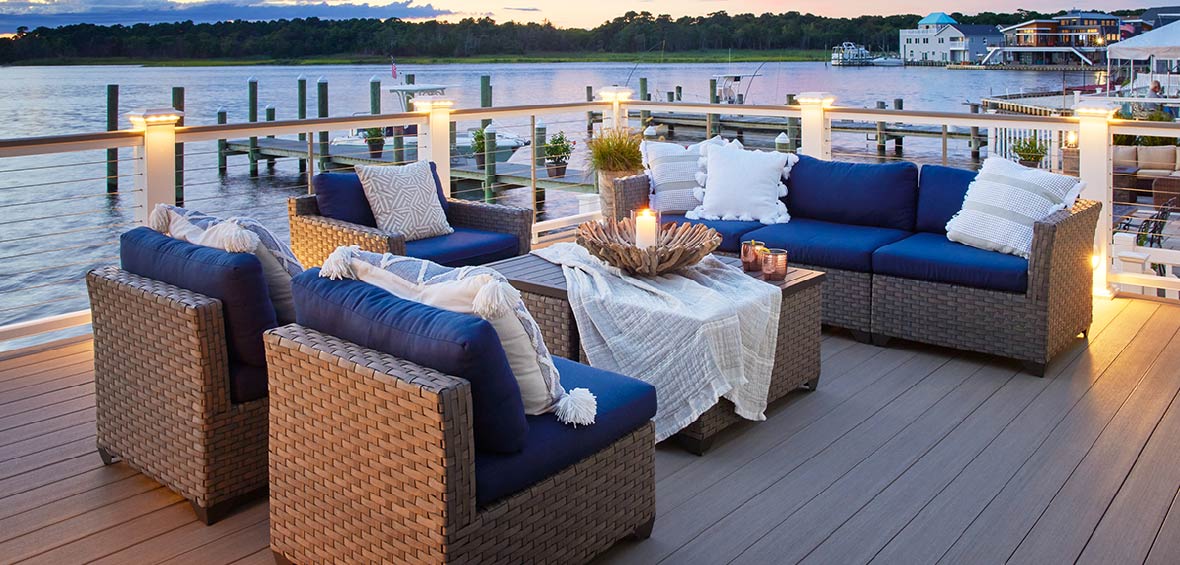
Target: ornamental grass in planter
x=614, y=153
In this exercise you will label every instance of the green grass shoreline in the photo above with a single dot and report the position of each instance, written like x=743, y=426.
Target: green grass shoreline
x=713, y=56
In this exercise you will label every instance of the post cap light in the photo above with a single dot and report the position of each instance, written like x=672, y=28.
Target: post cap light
x=1095, y=109
x=154, y=116
x=428, y=103
x=824, y=99
x=782, y=138
x=615, y=93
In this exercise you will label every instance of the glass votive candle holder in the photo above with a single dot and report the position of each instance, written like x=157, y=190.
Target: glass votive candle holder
x=751, y=255
x=774, y=265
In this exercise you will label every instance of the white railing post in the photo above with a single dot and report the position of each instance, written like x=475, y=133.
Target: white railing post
x=816, y=134
x=616, y=95
x=434, y=140
x=155, y=160
x=1094, y=169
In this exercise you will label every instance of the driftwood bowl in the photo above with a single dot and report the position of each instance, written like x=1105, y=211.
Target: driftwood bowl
x=678, y=246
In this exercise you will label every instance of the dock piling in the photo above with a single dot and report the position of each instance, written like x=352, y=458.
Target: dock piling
x=485, y=97
x=112, y=125
x=711, y=126
x=644, y=115
x=974, y=143
x=898, y=104
x=301, y=95
x=270, y=117
x=321, y=102
x=489, y=163
x=252, y=103
x=679, y=93
x=178, y=105
x=374, y=95
x=880, y=130
x=782, y=143
x=222, y=119
x=540, y=141
x=794, y=126
x=589, y=115
x=671, y=96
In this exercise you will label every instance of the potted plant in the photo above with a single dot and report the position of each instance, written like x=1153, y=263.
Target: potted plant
x=614, y=153
x=1030, y=151
x=375, y=139
x=557, y=154
x=478, y=148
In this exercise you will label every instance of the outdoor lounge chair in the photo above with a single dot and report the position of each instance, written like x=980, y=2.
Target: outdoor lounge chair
x=338, y=214
x=377, y=458
x=179, y=369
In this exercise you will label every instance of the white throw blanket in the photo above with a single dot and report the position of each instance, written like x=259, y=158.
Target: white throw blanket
x=697, y=335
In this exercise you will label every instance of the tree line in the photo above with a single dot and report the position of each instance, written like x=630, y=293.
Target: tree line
x=631, y=32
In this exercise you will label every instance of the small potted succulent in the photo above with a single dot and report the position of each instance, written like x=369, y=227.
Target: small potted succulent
x=557, y=154
x=478, y=148
x=614, y=153
x=1030, y=151
x=375, y=139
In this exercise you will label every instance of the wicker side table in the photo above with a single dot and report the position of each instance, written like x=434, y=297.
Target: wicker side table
x=796, y=359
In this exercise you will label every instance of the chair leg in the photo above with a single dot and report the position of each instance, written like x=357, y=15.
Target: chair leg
x=1033, y=368
x=281, y=559
x=861, y=336
x=695, y=446
x=880, y=340
x=643, y=531
x=813, y=384
x=108, y=458
x=211, y=514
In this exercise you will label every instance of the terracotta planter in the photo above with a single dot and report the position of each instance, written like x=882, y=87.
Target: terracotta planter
x=606, y=194
x=555, y=171
x=376, y=147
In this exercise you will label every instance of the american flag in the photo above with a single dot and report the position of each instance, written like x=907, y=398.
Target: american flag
x=393, y=67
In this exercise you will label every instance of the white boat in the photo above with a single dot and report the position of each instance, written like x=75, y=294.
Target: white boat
x=849, y=54
x=887, y=61
x=730, y=89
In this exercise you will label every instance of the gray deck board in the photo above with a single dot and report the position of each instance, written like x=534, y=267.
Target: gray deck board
x=908, y=454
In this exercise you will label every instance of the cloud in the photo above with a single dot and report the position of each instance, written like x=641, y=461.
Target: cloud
x=36, y=13
x=524, y=9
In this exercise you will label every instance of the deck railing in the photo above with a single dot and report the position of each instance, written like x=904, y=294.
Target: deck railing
x=153, y=144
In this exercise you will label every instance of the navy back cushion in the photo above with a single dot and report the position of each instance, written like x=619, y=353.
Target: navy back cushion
x=862, y=194
x=941, y=191
x=233, y=278
x=340, y=196
x=456, y=344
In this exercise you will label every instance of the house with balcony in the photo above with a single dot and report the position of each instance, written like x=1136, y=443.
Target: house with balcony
x=1075, y=38
x=940, y=38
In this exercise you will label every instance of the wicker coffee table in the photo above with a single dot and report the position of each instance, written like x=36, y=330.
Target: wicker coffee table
x=796, y=359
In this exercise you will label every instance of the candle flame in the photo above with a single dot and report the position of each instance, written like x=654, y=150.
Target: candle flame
x=646, y=213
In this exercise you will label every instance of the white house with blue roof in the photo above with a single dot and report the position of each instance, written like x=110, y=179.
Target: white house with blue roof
x=939, y=38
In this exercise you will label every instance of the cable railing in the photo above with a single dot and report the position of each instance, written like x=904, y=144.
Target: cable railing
x=252, y=168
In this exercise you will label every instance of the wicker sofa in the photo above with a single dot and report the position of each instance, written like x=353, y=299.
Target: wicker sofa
x=878, y=231
x=338, y=214
x=179, y=395
x=398, y=436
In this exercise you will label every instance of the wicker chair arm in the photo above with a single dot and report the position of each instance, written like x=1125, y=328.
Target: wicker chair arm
x=314, y=237
x=631, y=193
x=303, y=205
x=395, y=435
x=1061, y=249
x=137, y=316
x=493, y=217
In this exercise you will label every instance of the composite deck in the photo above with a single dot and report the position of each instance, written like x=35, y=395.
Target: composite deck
x=907, y=454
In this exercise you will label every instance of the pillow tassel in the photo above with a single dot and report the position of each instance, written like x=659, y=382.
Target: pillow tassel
x=578, y=407
x=237, y=239
x=338, y=265
x=496, y=298
x=159, y=219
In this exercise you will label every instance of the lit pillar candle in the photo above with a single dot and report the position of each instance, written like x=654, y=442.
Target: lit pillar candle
x=647, y=229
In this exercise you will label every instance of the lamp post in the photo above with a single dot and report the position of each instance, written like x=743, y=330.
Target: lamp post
x=155, y=161
x=1094, y=169
x=616, y=95
x=433, y=140
x=816, y=134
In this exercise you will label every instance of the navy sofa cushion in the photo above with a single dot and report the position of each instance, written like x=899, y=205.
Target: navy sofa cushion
x=941, y=191
x=340, y=196
x=624, y=405
x=465, y=247
x=826, y=244
x=732, y=232
x=860, y=194
x=233, y=278
x=933, y=257
x=461, y=345
x=246, y=382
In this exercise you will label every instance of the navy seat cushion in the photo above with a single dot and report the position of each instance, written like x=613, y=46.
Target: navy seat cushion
x=732, y=232
x=941, y=191
x=233, y=278
x=461, y=345
x=340, y=196
x=624, y=405
x=933, y=257
x=880, y=195
x=465, y=247
x=826, y=244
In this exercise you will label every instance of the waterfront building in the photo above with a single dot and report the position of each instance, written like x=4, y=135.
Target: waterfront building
x=1075, y=38
x=1159, y=16
x=940, y=38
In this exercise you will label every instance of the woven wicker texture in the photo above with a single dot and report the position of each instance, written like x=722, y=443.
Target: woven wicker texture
x=162, y=389
x=1030, y=327
x=372, y=460
x=630, y=193
x=314, y=237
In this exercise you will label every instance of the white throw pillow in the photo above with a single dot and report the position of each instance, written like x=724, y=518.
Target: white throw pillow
x=404, y=199
x=485, y=293
x=237, y=235
x=743, y=185
x=1003, y=203
x=672, y=171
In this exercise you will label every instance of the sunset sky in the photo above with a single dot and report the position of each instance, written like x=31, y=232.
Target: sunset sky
x=563, y=13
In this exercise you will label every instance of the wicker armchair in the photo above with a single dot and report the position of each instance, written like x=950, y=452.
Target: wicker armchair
x=372, y=460
x=314, y=237
x=161, y=379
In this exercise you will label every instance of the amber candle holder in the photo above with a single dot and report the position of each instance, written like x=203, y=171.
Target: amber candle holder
x=751, y=255
x=774, y=264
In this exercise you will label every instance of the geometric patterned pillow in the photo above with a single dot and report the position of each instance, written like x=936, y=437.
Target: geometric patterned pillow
x=1003, y=203
x=404, y=199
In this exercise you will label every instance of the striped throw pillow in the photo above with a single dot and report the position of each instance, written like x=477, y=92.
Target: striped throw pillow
x=1003, y=203
x=672, y=169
